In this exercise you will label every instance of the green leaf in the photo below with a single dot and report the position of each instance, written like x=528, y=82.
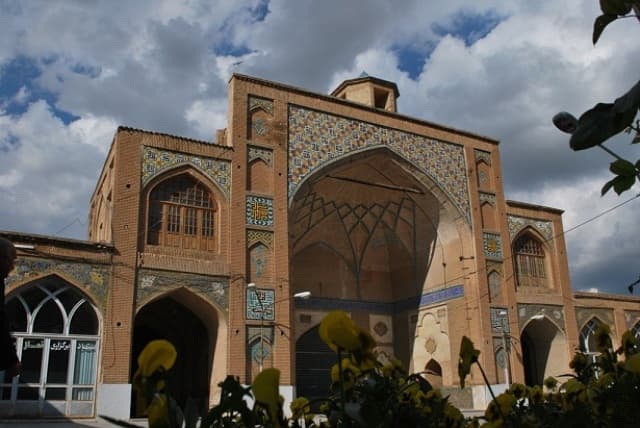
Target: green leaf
x=607, y=186
x=621, y=184
x=599, y=25
x=623, y=168
x=605, y=120
x=614, y=7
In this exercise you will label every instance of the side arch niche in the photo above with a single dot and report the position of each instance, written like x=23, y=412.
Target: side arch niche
x=370, y=234
x=544, y=351
x=57, y=330
x=198, y=333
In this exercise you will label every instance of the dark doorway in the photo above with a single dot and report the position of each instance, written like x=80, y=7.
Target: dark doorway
x=167, y=319
x=313, y=366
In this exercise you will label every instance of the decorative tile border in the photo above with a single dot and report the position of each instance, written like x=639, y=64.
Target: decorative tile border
x=555, y=313
x=516, y=224
x=492, y=245
x=481, y=155
x=155, y=161
x=265, y=104
x=631, y=318
x=487, y=197
x=583, y=315
x=254, y=153
x=263, y=236
x=317, y=138
x=426, y=299
x=259, y=211
x=152, y=282
x=443, y=295
x=259, y=299
x=96, y=278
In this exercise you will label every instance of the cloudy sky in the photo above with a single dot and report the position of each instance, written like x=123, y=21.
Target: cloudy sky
x=72, y=71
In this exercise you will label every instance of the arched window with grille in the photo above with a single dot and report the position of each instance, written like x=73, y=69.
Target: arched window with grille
x=56, y=329
x=588, y=336
x=636, y=330
x=182, y=214
x=530, y=261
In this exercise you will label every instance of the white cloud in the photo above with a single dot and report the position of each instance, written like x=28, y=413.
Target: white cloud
x=154, y=66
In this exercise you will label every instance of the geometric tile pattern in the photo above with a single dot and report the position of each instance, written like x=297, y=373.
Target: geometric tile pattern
x=259, y=211
x=499, y=320
x=96, y=278
x=259, y=299
x=259, y=153
x=155, y=161
x=481, y=155
x=317, y=138
x=516, y=224
x=492, y=245
x=266, y=105
x=494, y=266
x=153, y=282
x=262, y=236
x=487, y=197
x=552, y=312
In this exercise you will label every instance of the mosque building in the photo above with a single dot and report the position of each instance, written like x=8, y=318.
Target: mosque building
x=400, y=222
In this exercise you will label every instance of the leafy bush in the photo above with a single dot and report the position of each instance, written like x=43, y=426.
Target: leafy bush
x=602, y=392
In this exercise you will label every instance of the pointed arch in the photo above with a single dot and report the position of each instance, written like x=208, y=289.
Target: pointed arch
x=544, y=350
x=199, y=330
x=587, y=335
x=531, y=259
x=58, y=343
x=184, y=208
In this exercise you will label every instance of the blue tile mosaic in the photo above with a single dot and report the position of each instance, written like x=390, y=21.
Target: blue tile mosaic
x=259, y=211
x=156, y=161
x=318, y=138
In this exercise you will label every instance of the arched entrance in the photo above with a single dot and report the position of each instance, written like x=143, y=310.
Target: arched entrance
x=313, y=365
x=57, y=338
x=544, y=351
x=171, y=318
x=370, y=234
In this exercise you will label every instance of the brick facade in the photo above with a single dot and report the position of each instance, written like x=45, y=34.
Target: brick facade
x=400, y=222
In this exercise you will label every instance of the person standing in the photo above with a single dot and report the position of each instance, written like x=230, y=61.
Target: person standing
x=9, y=362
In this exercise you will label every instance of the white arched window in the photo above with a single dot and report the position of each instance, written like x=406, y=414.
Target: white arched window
x=56, y=329
x=587, y=336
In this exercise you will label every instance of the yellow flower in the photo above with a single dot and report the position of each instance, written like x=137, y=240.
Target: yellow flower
x=633, y=363
x=157, y=354
x=299, y=407
x=159, y=412
x=500, y=407
x=573, y=387
x=518, y=390
x=350, y=373
x=265, y=390
x=339, y=331
x=468, y=356
x=550, y=382
x=535, y=394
